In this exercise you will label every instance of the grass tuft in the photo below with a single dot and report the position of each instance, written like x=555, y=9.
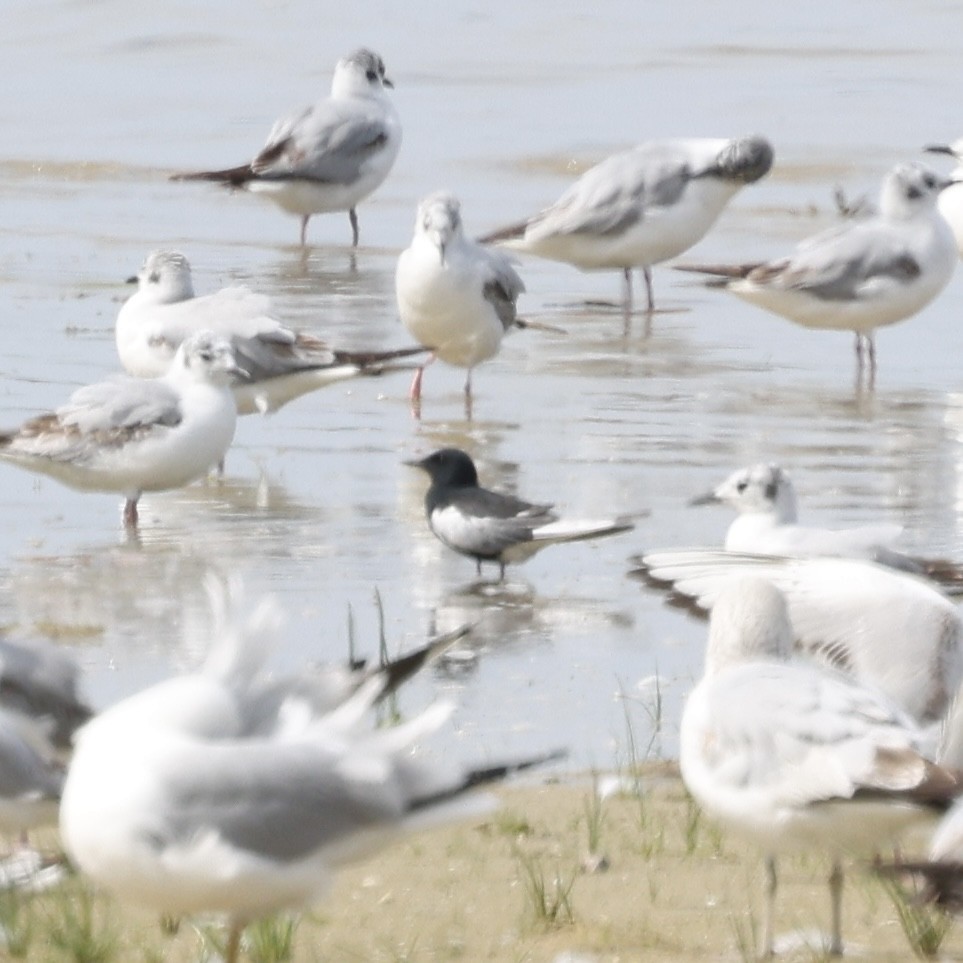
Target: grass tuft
x=549, y=902
x=925, y=926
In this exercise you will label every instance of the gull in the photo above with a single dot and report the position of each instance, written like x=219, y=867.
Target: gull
x=951, y=199
x=30, y=778
x=887, y=629
x=172, y=803
x=39, y=683
x=455, y=296
x=796, y=756
x=278, y=364
x=641, y=206
x=133, y=435
x=489, y=526
x=328, y=157
x=767, y=523
x=862, y=274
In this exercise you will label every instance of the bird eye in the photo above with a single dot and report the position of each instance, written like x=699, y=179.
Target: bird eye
x=913, y=192
x=371, y=75
x=742, y=486
x=153, y=277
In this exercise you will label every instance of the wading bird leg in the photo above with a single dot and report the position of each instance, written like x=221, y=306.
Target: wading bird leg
x=627, y=292
x=353, y=218
x=130, y=512
x=836, y=901
x=768, y=922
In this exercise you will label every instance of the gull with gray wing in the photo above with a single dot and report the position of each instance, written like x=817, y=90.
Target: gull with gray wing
x=133, y=435
x=860, y=275
x=795, y=756
x=642, y=206
x=455, y=296
x=328, y=157
x=276, y=363
x=183, y=798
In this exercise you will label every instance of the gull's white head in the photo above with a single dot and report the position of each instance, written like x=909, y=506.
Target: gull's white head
x=206, y=356
x=748, y=623
x=164, y=278
x=910, y=190
x=758, y=489
x=360, y=74
x=439, y=220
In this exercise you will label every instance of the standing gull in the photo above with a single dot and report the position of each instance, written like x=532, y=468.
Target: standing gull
x=177, y=800
x=454, y=296
x=863, y=274
x=767, y=523
x=951, y=199
x=641, y=206
x=328, y=157
x=279, y=364
x=131, y=435
x=794, y=756
x=489, y=526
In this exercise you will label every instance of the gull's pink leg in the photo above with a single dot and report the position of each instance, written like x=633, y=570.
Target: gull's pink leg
x=414, y=392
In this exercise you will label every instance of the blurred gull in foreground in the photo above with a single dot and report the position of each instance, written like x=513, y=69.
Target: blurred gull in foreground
x=131, y=435
x=641, y=206
x=189, y=797
x=795, y=756
x=455, y=296
x=862, y=274
x=489, y=526
x=328, y=157
x=886, y=629
x=768, y=524
x=278, y=364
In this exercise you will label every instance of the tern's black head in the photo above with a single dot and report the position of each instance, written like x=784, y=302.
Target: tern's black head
x=449, y=467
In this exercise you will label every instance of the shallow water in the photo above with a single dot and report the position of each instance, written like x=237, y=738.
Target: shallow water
x=503, y=107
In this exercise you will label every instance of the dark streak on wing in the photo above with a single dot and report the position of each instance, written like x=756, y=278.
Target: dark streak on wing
x=264, y=358
x=509, y=233
x=229, y=177
x=501, y=300
x=116, y=437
